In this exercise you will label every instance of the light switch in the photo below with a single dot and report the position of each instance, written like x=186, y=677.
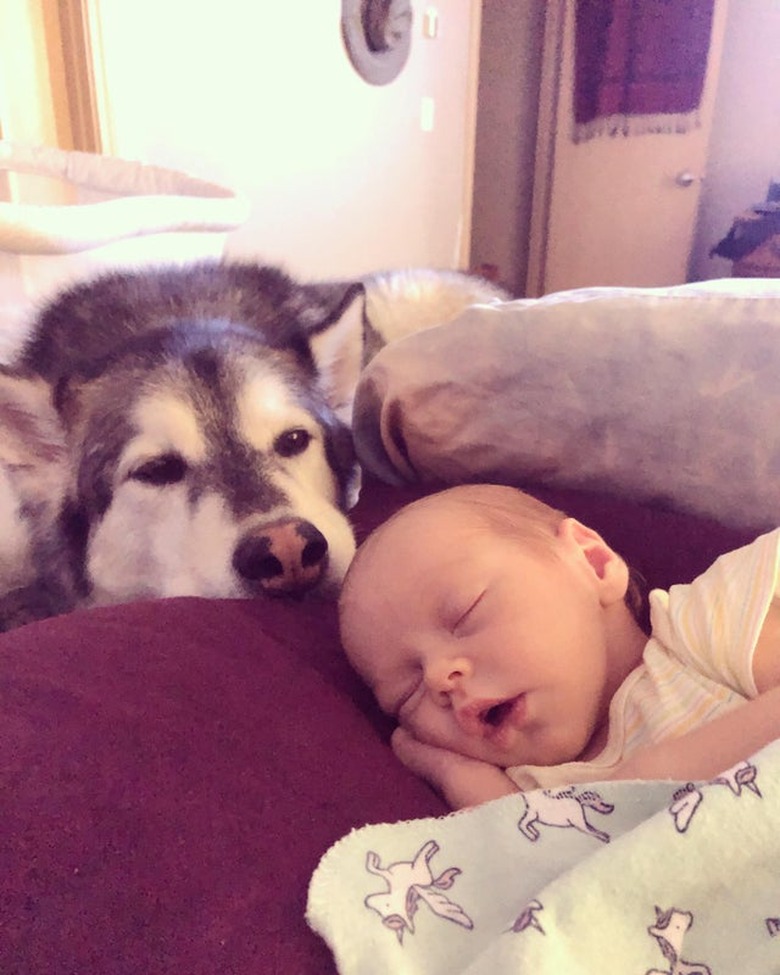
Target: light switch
x=431, y=23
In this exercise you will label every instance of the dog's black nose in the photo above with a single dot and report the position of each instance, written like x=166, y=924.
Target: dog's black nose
x=284, y=558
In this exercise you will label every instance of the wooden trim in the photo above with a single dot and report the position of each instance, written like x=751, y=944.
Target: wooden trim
x=95, y=58
x=72, y=87
x=547, y=127
x=465, y=230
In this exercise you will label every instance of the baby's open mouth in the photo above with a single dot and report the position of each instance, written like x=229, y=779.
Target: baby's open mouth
x=493, y=719
x=501, y=717
x=495, y=715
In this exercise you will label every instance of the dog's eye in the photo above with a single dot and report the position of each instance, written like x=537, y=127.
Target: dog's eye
x=165, y=469
x=292, y=442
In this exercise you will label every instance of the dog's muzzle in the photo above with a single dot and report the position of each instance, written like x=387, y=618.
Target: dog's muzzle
x=285, y=558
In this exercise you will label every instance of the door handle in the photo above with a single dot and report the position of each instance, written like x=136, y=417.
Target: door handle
x=686, y=178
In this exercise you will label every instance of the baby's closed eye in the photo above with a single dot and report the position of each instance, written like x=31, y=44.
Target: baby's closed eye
x=393, y=695
x=467, y=620
x=409, y=698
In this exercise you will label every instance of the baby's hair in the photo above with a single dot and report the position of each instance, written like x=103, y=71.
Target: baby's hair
x=507, y=511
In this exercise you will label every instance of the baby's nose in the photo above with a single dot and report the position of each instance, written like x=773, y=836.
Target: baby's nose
x=444, y=676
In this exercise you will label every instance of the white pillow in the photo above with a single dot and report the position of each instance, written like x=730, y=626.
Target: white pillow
x=659, y=395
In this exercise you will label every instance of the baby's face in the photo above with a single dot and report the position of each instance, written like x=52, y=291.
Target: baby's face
x=477, y=642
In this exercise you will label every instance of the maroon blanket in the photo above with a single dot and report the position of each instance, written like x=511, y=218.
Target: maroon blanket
x=171, y=772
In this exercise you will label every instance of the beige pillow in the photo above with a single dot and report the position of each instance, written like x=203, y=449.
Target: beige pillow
x=659, y=395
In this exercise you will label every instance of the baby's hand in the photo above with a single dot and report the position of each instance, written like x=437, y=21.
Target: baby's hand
x=463, y=781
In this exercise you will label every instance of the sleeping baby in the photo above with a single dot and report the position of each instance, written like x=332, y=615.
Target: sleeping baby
x=503, y=637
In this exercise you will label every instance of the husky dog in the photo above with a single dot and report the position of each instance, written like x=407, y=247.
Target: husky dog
x=181, y=431
x=409, y=300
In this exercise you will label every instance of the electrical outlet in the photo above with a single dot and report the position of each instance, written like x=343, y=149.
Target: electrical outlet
x=427, y=113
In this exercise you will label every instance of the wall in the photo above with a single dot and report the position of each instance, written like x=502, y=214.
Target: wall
x=262, y=96
x=23, y=69
x=745, y=142
x=510, y=62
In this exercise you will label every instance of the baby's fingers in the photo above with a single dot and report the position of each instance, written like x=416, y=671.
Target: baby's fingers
x=424, y=760
x=461, y=780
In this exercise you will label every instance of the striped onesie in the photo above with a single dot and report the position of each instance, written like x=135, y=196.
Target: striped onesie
x=697, y=663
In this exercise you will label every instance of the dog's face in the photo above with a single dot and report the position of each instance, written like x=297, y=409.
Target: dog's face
x=222, y=473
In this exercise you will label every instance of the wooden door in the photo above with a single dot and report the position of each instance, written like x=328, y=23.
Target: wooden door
x=614, y=210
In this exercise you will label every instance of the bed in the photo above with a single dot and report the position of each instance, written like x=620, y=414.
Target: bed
x=173, y=772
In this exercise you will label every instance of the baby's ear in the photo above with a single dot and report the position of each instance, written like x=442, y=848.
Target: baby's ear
x=609, y=569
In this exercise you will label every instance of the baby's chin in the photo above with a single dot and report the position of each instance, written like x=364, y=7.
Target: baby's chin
x=549, y=753
x=541, y=747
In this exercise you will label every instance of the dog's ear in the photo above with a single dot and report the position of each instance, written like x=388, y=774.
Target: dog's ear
x=32, y=429
x=337, y=348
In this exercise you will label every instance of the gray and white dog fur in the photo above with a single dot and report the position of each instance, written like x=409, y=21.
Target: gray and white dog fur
x=185, y=431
